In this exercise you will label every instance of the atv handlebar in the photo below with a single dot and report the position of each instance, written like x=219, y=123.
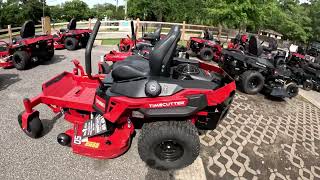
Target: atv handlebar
x=89, y=47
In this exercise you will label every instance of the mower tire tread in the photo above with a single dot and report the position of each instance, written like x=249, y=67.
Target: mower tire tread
x=21, y=60
x=153, y=133
x=71, y=43
x=244, y=79
x=206, y=54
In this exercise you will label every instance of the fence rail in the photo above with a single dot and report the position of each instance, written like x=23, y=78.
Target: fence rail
x=112, y=29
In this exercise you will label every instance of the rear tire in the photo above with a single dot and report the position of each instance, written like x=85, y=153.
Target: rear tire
x=279, y=62
x=71, y=44
x=251, y=82
x=307, y=85
x=21, y=60
x=206, y=54
x=166, y=145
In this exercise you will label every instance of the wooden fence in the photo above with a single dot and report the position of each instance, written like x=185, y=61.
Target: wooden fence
x=113, y=30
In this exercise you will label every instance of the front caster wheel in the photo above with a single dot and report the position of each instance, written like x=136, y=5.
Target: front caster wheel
x=64, y=139
x=168, y=145
x=34, y=128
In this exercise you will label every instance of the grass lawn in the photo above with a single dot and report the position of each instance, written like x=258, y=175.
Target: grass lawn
x=110, y=41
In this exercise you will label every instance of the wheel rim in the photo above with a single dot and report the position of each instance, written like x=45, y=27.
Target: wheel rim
x=292, y=91
x=69, y=43
x=254, y=82
x=169, y=150
x=207, y=54
x=17, y=60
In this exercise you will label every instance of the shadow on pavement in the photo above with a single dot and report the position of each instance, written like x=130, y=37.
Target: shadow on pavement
x=54, y=60
x=8, y=79
x=49, y=124
x=157, y=174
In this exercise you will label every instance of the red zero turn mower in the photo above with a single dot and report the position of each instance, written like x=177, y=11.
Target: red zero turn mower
x=71, y=38
x=106, y=109
x=131, y=46
x=206, y=48
x=26, y=49
x=147, y=40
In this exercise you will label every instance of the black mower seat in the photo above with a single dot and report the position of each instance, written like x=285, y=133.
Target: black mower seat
x=130, y=68
x=158, y=65
x=153, y=37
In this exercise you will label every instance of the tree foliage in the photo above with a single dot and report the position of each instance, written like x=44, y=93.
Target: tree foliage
x=295, y=21
x=299, y=22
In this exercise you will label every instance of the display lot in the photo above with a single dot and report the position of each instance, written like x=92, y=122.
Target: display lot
x=260, y=138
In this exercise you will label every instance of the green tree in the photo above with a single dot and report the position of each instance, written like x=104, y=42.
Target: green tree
x=76, y=9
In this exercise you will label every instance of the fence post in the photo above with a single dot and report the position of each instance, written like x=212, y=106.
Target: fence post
x=10, y=33
x=89, y=23
x=183, y=30
x=46, y=25
x=219, y=31
x=137, y=27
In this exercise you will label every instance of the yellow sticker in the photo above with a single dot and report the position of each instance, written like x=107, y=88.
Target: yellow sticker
x=92, y=144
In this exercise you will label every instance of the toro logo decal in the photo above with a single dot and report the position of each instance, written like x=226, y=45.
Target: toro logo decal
x=168, y=104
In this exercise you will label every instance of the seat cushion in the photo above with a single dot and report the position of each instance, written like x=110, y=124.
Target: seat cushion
x=130, y=68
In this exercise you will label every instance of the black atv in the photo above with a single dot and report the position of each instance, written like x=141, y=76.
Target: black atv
x=305, y=73
x=259, y=68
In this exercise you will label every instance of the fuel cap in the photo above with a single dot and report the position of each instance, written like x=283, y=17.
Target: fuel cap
x=152, y=88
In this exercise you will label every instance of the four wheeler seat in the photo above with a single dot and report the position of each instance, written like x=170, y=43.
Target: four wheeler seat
x=207, y=35
x=27, y=30
x=72, y=24
x=153, y=37
x=159, y=60
x=255, y=47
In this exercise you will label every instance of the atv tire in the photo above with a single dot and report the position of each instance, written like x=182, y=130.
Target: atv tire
x=279, y=62
x=307, y=85
x=71, y=44
x=292, y=89
x=251, y=82
x=167, y=145
x=21, y=60
x=35, y=126
x=206, y=54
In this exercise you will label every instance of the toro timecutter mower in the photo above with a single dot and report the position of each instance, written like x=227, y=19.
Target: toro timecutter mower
x=206, y=48
x=71, y=38
x=105, y=109
x=258, y=69
x=26, y=49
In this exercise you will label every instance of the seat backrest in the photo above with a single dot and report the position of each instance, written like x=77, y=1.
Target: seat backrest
x=27, y=30
x=163, y=52
x=255, y=46
x=207, y=35
x=157, y=33
x=72, y=24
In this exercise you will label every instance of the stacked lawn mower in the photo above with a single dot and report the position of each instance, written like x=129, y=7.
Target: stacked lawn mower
x=26, y=49
x=71, y=38
x=206, y=48
x=258, y=68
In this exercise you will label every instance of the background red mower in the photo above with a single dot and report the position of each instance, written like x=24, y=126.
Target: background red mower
x=26, y=49
x=105, y=110
x=71, y=38
x=206, y=48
